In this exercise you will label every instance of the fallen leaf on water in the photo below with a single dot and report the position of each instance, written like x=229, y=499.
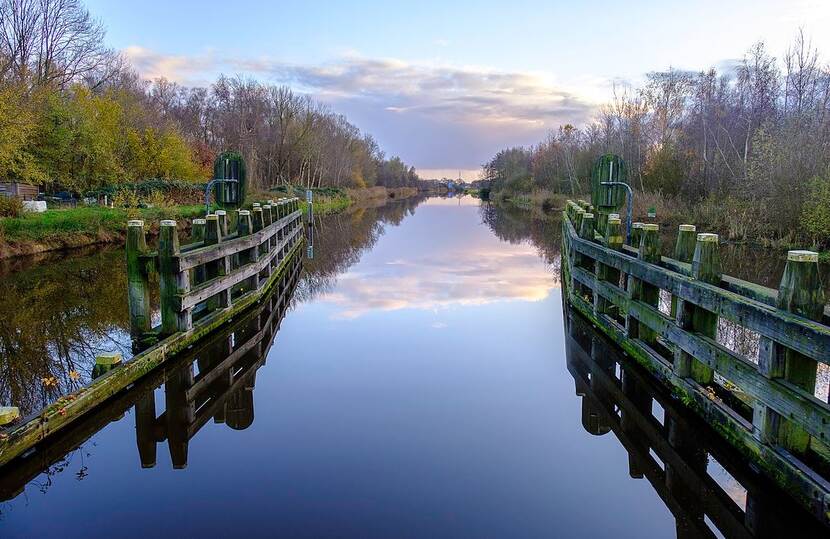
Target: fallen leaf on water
x=75, y=375
x=49, y=381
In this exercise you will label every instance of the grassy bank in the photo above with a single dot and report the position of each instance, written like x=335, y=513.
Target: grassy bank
x=67, y=228
x=52, y=230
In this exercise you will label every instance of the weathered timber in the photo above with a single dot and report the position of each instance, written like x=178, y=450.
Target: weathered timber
x=137, y=281
x=173, y=281
x=773, y=419
x=67, y=410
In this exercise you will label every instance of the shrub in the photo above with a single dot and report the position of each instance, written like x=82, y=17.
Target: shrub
x=10, y=207
x=815, y=215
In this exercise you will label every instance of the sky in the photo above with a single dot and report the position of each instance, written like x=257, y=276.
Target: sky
x=445, y=85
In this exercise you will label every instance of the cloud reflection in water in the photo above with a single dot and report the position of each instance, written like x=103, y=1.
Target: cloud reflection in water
x=446, y=267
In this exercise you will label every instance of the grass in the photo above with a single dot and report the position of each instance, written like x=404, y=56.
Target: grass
x=85, y=220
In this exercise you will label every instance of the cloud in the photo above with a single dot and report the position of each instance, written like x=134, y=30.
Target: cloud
x=435, y=115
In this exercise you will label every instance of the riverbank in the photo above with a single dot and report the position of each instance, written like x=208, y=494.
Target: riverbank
x=71, y=228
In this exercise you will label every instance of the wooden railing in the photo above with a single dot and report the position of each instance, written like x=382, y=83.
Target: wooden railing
x=203, y=285
x=211, y=273
x=680, y=316
x=673, y=450
x=201, y=382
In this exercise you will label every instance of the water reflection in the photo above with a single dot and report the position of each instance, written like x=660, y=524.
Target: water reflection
x=58, y=314
x=436, y=269
x=707, y=485
x=214, y=381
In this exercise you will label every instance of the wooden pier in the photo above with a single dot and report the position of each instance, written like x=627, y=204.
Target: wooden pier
x=203, y=285
x=672, y=316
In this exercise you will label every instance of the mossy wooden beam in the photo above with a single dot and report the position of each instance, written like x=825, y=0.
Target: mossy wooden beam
x=801, y=334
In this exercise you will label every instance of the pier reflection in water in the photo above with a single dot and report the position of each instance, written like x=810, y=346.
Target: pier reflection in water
x=214, y=380
x=708, y=487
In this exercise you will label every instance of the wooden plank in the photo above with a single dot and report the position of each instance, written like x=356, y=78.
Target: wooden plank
x=786, y=399
x=807, y=487
x=218, y=284
x=68, y=409
x=233, y=245
x=801, y=334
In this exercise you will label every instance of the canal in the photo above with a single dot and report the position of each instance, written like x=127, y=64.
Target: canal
x=418, y=378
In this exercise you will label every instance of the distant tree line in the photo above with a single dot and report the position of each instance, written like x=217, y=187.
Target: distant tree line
x=753, y=141
x=74, y=115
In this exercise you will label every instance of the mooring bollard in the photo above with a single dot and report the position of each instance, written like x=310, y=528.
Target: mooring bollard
x=105, y=363
x=577, y=221
x=244, y=226
x=172, y=281
x=138, y=282
x=8, y=414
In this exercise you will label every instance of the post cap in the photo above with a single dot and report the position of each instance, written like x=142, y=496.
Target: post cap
x=212, y=217
x=707, y=237
x=244, y=212
x=588, y=216
x=651, y=226
x=135, y=222
x=257, y=208
x=688, y=228
x=256, y=205
x=614, y=220
x=268, y=206
x=221, y=212
x=613, y=215
x=802, y=256
x=168, y=222
x=638, y=224
x=108, y=359
x=8, y=414
x=199, y=221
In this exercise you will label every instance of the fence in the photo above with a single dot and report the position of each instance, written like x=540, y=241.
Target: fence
x=203, y=285
x=676, y=315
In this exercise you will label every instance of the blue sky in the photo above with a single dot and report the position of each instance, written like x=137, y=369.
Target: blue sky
x=445, y=86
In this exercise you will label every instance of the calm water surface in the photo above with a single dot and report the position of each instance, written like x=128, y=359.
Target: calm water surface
x=413, y=382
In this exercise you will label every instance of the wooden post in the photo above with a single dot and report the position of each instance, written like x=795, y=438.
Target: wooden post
x=198, y=230
x=8, y=414
x=222, y=217
x=684, y=251
x=577, y=222
x=648, y=250
x=706, y=268
x=213, y=229
x=198, y=235
x=267, y=218
x=173, y=282
x=137, y=281
x=613, y=240
x=105, y=363
x=800, y=293
x=636, y=234
x=257, y=218
x=245, y=226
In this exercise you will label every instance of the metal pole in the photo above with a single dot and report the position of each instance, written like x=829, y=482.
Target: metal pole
x=630, y=200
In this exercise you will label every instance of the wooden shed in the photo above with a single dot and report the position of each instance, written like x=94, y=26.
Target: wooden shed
x=23, y=191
